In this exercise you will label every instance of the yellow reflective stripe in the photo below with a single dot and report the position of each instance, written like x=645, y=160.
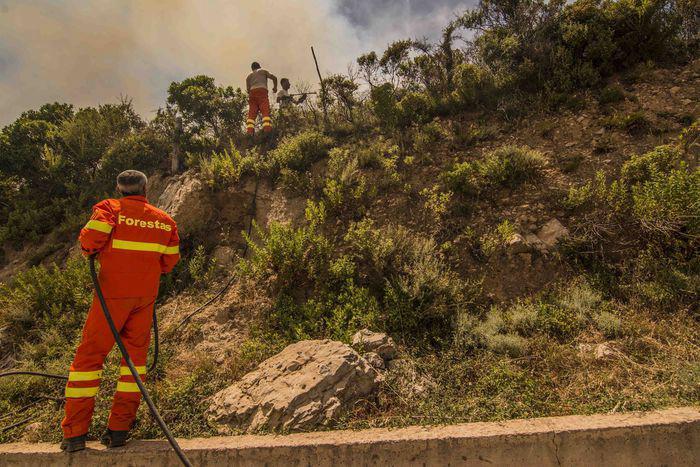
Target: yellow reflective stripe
x=82, y=392
x=267, y=124
x=250, y=120
x=127, y=387
x=99, y=226
x=84, y=375
x=144, y=246
x=124, y=370
x=268, y=119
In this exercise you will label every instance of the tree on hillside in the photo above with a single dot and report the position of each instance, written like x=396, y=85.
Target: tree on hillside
x=208, y=108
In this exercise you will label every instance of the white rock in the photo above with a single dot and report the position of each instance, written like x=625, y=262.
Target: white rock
x=303, y=387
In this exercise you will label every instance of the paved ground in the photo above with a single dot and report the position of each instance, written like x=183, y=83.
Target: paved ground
x=669, y=437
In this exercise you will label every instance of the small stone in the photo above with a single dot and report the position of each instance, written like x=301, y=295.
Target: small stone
x=675, y=89
x=552, y=232
x=377, y=342
x=375, y=360
x=600, y=132
x=517, y=244
x=686, y=101
x=534, y=242
x=603, y=351
x=570, y=144
x=224, y=255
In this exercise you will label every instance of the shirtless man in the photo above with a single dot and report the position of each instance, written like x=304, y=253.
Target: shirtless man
x=258, y=101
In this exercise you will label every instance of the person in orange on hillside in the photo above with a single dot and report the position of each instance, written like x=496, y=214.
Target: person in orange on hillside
x=258, y=101
x=135, y=243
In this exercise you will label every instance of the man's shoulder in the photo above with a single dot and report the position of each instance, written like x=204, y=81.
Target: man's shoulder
x=109, y=204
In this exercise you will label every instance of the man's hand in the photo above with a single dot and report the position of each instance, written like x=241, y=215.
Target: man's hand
x=274, y=90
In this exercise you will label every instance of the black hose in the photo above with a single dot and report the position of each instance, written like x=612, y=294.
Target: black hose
x=33, y=373
x=156, y=345
x=132, y=368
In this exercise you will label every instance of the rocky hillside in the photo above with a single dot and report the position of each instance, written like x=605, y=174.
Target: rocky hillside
x=475, y=237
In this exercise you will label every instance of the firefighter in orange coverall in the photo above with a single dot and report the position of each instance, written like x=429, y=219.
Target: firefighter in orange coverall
x=135, y=243
x=258, y=101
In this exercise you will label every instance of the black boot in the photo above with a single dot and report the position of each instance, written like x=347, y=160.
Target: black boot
x=77, y=443
x=114, y=438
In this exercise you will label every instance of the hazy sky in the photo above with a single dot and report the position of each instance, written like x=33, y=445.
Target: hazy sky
x=71, y=52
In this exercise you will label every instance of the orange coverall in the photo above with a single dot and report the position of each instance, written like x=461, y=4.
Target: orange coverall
x=258, y=102
x=136, y=243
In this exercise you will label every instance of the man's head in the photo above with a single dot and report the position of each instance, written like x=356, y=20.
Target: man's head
x=132, y=183
x=285, y=84
x=255, y=66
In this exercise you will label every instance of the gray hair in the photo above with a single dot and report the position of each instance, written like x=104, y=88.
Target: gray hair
x=132, y=182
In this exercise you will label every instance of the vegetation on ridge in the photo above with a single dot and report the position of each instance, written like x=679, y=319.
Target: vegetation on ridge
x=434, y=157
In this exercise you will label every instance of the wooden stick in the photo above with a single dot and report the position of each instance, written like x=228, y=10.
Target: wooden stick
x=323, y=88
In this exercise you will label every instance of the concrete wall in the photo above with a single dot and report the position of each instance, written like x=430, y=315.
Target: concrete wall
x=663, y=438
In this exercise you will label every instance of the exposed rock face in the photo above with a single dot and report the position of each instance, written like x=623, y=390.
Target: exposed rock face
x=186, y=200
x=552, y=232
x=376, y=342
x=303, y=387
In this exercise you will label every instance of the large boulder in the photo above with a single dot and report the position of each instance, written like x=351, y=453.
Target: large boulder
x=186, y=200
x=303, y=387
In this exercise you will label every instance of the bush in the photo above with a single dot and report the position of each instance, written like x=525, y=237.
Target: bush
x=43, y=302
x=670, y=204
x=506, y=166
x=472, y=83
x=641, y=168
x=611, y=95
x=510, y=165
x=414, y=108
x=200, y=267
x=222, y=169
x=635, y=124
x=298, y=152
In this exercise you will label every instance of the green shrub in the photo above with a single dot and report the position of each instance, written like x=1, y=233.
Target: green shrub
x=581, y=300
x=43, y=302
x=506, y=166
x=511, y=345
x=414, y=108
x=222, y=169
x=635, y=124
x=670, y=204
x=559, y=322
x=510, y=165
x=641, y=168
x=609, y=324
x=611, y=95
x=462, y=178
x=200, y=267
x=299, y=152
x=472, y=84
x=664, y=280
x=473, y=134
